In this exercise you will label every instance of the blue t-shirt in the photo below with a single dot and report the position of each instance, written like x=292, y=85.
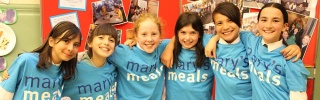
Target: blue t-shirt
x=231, y=69
x=187, y=81
x=140, y=74
x=272, y=76
x=28, y=82
x=91, y=82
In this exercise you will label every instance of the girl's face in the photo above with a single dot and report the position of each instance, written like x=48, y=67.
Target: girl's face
x=102, y=46
x=271, y=25
x=285, y=34
x=64, y=50
x=225, y=28
x=188, y=37
x=148, y=35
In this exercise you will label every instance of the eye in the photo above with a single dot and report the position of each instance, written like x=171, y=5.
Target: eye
x=112, y=40
x=66, y=41
x=100, y=37
x=76, y=45
x=183, y=32
x=276, y=20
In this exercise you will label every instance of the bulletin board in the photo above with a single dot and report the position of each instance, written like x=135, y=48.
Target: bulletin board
x=168, y=12
x=310, y=55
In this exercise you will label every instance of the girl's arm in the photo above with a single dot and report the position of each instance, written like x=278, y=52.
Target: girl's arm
x=167, y=54
x=210, y=49
x=5, y=95
x=289, y=52
x=296, y=77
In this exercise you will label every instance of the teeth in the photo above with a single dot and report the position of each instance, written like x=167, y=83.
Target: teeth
x=268, y=31
x=149, y=45
x=227, y=33
x=105, y=49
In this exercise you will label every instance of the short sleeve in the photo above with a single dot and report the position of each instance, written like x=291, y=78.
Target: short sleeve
x=15, y=73
x=247, y=37
x=163, y=44
x=296, y=76
x=206, y=38
x=119, y=52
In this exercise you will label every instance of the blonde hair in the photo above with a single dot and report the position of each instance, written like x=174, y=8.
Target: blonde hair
x=145, y=16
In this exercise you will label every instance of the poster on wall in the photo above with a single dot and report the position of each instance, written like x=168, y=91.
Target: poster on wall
x=7, y=39
x=8, y=16
x=119, y=32
x=5, y=1
x=203, y=9
x=73, y=4
x=258, y=4
x=299, y=31
x=72, y=17
x=305, y=7
x=249, y=22
x=138, y=7
x=108, y=11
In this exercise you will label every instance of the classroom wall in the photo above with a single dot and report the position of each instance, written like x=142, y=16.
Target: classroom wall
x=24, y=2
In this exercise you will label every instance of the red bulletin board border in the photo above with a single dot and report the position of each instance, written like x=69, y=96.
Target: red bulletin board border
x=168, y=12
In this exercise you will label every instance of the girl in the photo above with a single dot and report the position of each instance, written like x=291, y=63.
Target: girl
x=272, y=76
x=191, y=77
x=39, y=74
x=231, y=67
x=100, y=84
x=141, y=75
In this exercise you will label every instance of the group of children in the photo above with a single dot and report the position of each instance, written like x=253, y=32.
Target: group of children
x=243, y=67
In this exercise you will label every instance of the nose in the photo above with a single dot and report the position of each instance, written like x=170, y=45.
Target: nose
x=187, y=36
x=70, y=47
x=268, y=24
x=149, y=38
x=225, y=26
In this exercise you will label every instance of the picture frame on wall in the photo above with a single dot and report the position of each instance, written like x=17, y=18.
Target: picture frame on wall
x=72, y=17
x=138, y=7
x=119, y=32
x=73, y=4
x=108, y=11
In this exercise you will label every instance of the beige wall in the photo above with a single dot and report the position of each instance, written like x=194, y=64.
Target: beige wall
x=23, y=2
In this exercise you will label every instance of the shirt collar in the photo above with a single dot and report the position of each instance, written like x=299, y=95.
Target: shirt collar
x=222, y=41
x=138, y=45
x=273, y=46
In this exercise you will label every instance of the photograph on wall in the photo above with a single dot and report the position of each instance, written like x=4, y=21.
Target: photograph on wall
x=91, y=28
x=108, y=11
x=209, y=28
x=258, y=4
x=138, y=7
x=7, y=39
x=249, y=22
x=203, y=9
x=130, y=34
x=119, y=31
x=73, y=4
x=305, y=7
x=72, y=17
x=5, y=1
x=236, y=2
x=8, y=16
x=299, y=31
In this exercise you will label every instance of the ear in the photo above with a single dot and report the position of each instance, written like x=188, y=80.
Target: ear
x=51, y=41
x=284, y=26
x=89, y=44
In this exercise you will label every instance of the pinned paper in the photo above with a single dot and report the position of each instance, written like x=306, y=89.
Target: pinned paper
x=5, y=1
